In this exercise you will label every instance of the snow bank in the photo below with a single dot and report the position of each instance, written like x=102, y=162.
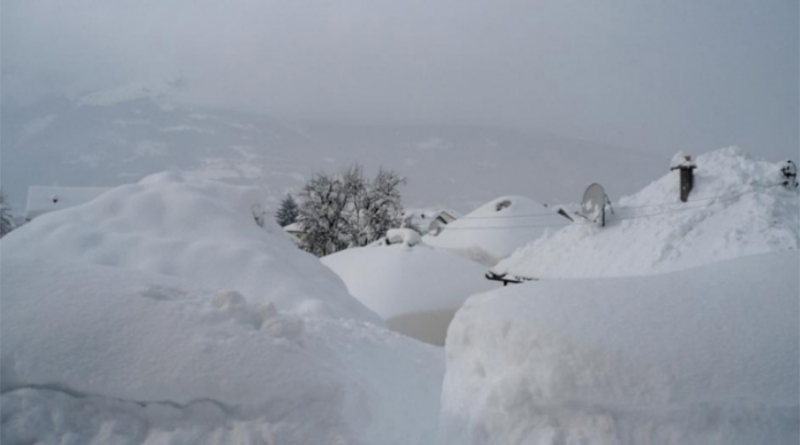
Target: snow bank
x=737, y=207
x=494, y=230
x=174, y=311
x=416, y=289
x=406, y=236
x=202, y=231
x=702, y=356
x=116, y=355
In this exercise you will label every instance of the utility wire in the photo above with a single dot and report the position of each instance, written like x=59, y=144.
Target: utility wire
x=663, y=204
x=619, y=218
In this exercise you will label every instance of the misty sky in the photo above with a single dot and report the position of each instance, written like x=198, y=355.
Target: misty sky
x=654, y=75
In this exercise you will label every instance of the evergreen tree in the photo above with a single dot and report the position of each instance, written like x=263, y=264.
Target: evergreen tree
x=6, y=221
x=287, y=213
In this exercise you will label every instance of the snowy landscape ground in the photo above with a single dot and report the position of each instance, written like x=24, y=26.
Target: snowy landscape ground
x=378, y=222
x=174, y=310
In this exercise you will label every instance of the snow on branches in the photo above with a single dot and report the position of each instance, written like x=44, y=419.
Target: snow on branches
x=347, y=210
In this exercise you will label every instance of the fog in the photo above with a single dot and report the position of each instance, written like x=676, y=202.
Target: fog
x=654, y=75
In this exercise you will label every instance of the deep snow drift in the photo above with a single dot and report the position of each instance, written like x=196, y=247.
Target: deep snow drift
x=700, y=356
x=416, y=289
x=202, y=231
x=737, y=207
x=120, y=356
x=162, y=312
x=497, y=228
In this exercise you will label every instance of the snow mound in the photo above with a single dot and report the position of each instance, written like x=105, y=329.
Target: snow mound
x=416, y=289
x=46, y=199
x=109, y=355
x=494, y=230
x=702, y=356
x=737, y=207
x=406, y=236
x=205, y=232
x=422, y=217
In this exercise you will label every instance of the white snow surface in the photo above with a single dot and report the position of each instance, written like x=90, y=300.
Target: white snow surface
x=99, y=354
x=199, y=230
x=406, y=236
x=492, y=232
x=47, y=199
x=700, y=356
x=737, y=207
x=164, y=312
x=398, y=280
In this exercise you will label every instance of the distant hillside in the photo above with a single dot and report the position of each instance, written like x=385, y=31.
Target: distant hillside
x=119, y=136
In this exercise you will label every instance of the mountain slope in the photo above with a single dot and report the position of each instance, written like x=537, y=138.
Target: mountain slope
x=119, y=136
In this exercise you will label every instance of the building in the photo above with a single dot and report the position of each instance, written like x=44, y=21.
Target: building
x=441, y=219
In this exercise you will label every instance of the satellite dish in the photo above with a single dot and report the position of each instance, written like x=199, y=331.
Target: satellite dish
x=434, y=228
x=593, y=206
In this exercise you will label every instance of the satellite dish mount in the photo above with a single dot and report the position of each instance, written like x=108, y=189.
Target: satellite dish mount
x=593, y=205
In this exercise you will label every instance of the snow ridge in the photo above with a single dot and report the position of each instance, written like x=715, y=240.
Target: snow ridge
x=738, y=207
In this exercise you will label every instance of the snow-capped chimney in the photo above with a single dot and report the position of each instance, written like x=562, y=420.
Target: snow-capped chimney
x=685, y=164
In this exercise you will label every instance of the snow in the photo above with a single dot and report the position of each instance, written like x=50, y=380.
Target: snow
x=700, y=356
x=175, y=311
x=416, y=289
x=294, y=227
x=682, y=159
x=406, y=236
x=424, y=217
x=494, y=230
x=203, y=231
x=46, y=199
x=738, y=207
x=95, y=352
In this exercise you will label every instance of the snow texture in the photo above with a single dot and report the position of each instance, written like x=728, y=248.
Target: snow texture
x=212, y=234
x=176, y=311
x=701, y=356
x=737, y=207
x=399, y=281
x=98, y=354
x=406, y=236
x=494, y=230
x=46, y=199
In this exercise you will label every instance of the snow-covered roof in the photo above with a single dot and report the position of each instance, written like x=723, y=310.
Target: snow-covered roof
x=201, y=231
x=494, y=230
x=738, y=207
x=46, y=199
x=294, y=227
x=423, y=217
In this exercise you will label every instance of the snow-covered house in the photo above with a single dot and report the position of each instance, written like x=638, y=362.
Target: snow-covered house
x=296, y=230
x=431, y=221
x=46, y=199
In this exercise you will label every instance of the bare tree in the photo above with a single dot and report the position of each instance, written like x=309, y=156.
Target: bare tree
x=346, y=210
x=322, y=214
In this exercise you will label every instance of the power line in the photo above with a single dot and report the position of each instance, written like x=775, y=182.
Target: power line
x=663, y=204
x=683, y=208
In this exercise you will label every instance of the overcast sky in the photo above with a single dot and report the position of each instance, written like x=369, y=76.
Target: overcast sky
x=655, y=75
